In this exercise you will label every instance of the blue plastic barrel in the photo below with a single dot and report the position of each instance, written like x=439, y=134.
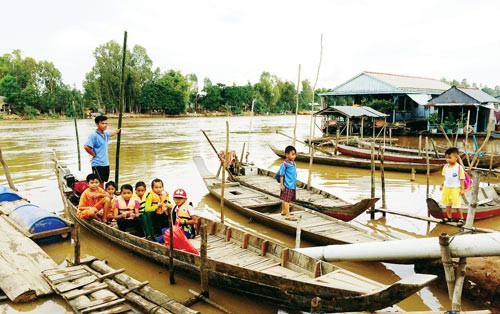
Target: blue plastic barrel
x=7, y=195
x=34, y=219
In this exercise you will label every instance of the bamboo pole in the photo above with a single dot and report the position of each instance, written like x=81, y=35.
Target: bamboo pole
x=362, y=119
x=208, y=301
x=456, y=299
x=382, y=176
x=488, y=134
x=450, y=144
x=436, y=153
x=337, y=141
x=372, y=189
x=122, y=100
x=466, y=138
x=77, y=139
x=223, y=182
x=298, y=232
x=7, y=172
x=427, y=173
x=449, y=271
x=296, y=109
x=249, y=132
x=171, y=248
x=76, y=232
x=489, y=170
x=471, y=211
x=420, y=145
x=311, y=130
x=204, y=260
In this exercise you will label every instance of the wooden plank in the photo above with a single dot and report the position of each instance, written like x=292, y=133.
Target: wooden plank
x=50, y=272
x=21, y=264
x=7, y=207
x=45, y=234
x=70, y=277
x=117, y=309
x=84, y=291
x=103, y=305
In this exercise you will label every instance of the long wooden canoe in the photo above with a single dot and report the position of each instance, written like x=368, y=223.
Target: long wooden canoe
x=315, y=226
x=247, y=264
x=488, y=204
x=483, y=160
x=353, y=162
x=310, y=197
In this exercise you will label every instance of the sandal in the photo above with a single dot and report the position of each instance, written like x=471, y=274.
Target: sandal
x=460, y=222
x=291, y=218
x=446, y=219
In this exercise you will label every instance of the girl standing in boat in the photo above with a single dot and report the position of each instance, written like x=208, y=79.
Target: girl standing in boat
x=453, y=185
x=288, y=184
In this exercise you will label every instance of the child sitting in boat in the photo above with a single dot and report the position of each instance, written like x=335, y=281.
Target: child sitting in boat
x=126, y=210
x=111, y=188
x=157, y=202
x=94, y=201
x=183, y=214
x=140, y=195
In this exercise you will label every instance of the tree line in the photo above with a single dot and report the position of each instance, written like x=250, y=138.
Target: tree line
x=35, y=88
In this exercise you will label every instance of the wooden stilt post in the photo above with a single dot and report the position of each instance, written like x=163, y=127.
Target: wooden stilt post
x=456, y=301
x=76, y=238
x=7, y=173
x=298, y=232
x=466, y=138
x=372, y=210
x=420, y=145
x=412, y=174
x=204, y=261
x=449, y=271
x=491, y=166
x=297, y=110
x=337, y=141
x=382, y=177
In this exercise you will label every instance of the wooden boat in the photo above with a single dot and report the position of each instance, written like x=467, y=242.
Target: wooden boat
x=388, y=156
x=247, y=264
x=352, y=162
x=313, y=198
x=315, y=226
x=488, y=204
x=483, y=160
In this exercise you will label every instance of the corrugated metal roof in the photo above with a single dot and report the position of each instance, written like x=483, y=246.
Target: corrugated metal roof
x=478, y=94
x=384, y=83
x=420, y=99
x=351, y=111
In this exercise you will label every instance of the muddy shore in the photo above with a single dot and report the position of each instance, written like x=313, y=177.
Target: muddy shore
x=482, y=281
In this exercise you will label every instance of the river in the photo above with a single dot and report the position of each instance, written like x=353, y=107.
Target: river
x=163, y=148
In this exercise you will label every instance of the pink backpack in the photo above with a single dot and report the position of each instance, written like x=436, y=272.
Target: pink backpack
x=467, y=180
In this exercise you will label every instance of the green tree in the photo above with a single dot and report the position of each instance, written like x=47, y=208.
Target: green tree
x=306, y=95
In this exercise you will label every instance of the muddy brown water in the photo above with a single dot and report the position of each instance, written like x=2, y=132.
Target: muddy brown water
x=163, y=148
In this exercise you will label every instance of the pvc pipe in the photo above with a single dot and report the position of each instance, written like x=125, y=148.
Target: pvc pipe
x=474, y=245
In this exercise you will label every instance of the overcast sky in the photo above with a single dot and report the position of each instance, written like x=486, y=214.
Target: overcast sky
x=231, y=41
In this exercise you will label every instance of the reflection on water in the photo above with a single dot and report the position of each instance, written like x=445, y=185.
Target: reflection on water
x=164, y=148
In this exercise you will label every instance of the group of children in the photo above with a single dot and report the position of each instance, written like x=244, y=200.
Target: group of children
x=145, y=212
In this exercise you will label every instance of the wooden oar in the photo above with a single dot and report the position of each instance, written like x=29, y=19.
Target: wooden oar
x=316, y=148
x=122, y=100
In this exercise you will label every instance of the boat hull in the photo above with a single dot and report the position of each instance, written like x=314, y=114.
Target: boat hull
x=439, y=212
x=351, y=162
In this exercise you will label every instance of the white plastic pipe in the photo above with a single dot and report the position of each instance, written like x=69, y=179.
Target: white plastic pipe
x=474, y=245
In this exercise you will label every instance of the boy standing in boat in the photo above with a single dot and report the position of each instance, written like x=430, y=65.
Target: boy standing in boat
x=453, y=185
x=288, y=184
x=94, y=200
x=97, y=147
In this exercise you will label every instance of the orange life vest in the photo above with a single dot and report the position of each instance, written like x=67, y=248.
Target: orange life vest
x=123, y=206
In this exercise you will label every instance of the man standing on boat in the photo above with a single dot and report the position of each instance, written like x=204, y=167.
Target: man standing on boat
x=97, y=147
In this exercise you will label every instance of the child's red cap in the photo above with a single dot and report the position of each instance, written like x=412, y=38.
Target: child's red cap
x=180, y=193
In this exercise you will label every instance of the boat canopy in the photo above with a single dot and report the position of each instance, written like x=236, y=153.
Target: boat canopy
x=351, y=112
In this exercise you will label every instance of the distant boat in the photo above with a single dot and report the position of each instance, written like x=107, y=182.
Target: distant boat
x=353, y=162
x=247, y=264
x=488, y=204
x=313, y=198
x=266, y=209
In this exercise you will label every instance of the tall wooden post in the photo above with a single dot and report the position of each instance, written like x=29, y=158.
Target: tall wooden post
x=372, y=150
x=296, y=109
x=449, y=271
x=204, y=261
x=420, y=145
x=171, y=248
x=298, y=232
x=382, y=177
x=122, y=101
x=223, y=182
x=7, y=172
x=76, y=236
x=77, y=138
x=337, y=140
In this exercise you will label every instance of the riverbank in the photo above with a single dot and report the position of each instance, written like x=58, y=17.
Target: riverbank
x=481, y=284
